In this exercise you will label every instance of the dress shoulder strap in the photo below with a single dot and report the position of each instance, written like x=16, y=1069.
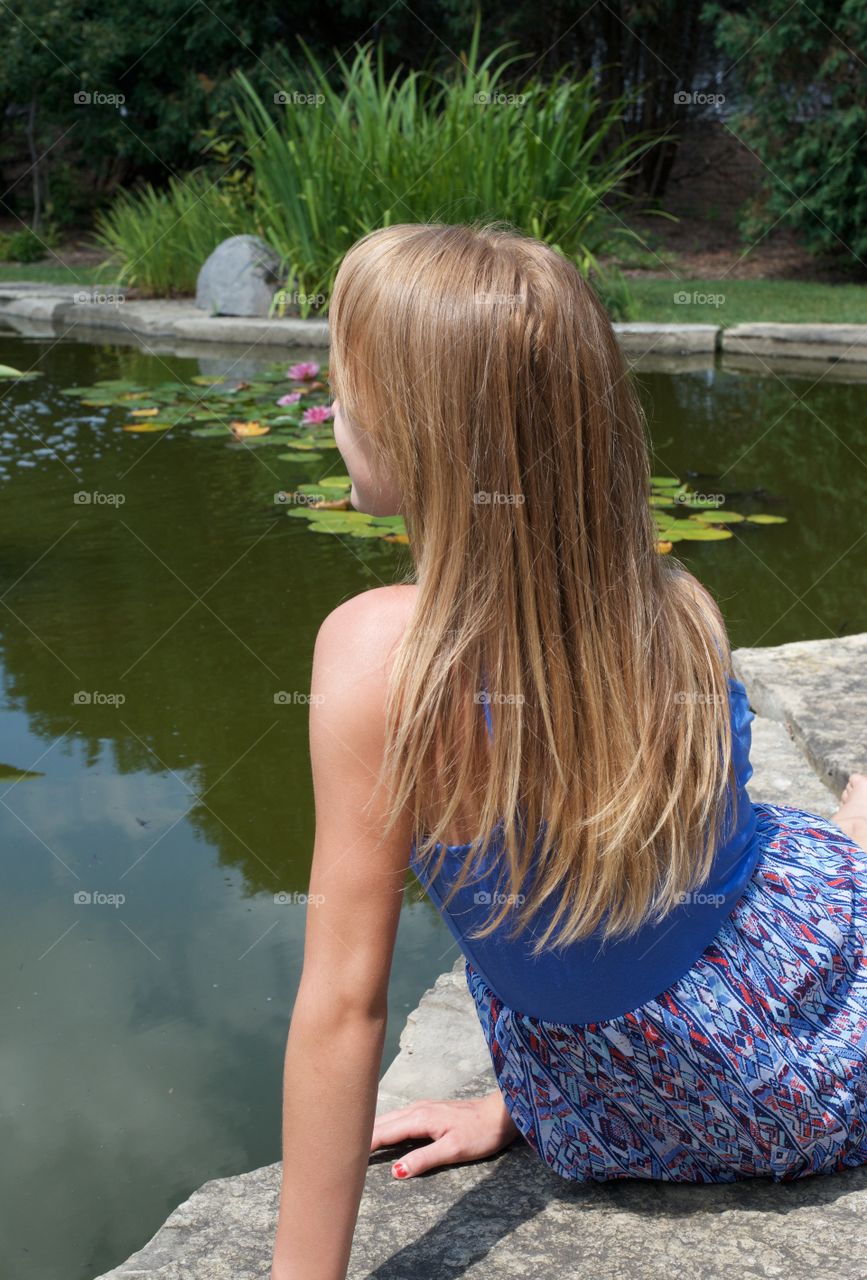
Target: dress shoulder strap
x=486, y=703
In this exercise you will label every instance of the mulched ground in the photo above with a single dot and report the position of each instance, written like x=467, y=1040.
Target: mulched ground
x=713, y=178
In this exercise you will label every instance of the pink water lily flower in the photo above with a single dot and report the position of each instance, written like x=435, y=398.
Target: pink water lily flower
x=292, y=398
x=319, y=413
x=303, y=372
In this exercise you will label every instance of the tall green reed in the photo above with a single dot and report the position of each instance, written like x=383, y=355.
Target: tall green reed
x=343, y=158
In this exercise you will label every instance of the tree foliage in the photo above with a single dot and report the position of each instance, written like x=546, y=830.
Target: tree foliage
x=801, y=74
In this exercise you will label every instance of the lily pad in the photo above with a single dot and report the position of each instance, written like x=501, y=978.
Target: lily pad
x=717, y=517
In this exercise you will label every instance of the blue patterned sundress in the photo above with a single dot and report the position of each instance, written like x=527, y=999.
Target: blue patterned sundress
x=753, y=1064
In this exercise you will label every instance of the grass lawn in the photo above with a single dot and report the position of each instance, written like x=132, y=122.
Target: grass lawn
x=50, y=272
x=784, y=301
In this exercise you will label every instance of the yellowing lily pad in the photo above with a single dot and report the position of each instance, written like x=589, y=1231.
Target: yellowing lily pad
x=241, y=430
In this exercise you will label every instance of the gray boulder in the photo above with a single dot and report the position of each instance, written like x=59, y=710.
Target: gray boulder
x=239, y=278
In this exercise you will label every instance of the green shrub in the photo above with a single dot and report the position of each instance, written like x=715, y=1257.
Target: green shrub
x=158, y=240
x=23, y=246
x=341, y=160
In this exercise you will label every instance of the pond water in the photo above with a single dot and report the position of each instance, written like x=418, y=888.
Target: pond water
x=143, y=640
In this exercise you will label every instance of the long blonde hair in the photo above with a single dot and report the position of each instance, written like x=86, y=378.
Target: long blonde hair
x=491, y=384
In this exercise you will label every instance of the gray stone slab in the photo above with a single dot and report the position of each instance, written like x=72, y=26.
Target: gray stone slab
x=442, y=1048
x=643, y=338
x=783, y=775
x=816, y=341
x=510, y=1216
x=818, y=690
x=69, y=309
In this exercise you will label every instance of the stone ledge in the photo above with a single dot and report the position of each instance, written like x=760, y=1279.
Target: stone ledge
x=796, y=684
x=511, y=1216
x=641, y=338
x=796, y=341
x=180, y=318
x=163, y=317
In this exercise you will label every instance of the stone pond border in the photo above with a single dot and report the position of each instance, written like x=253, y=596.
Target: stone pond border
x=104, y=309
x=510, y=1216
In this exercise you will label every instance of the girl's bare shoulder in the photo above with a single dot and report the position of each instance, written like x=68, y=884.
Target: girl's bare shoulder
x=356, y=639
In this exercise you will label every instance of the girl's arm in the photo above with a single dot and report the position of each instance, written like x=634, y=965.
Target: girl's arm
x=335, y=1042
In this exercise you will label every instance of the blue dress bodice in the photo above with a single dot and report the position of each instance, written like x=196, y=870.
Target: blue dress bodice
x=592, y=981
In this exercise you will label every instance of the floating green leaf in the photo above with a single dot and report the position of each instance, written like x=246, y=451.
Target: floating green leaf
x=204, y=407
x=16, y=375
x=8, y=773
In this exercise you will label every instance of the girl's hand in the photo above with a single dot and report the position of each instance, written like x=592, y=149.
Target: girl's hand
x=461, y=1131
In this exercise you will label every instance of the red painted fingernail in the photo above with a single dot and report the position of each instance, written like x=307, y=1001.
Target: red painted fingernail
x=400, y=1170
